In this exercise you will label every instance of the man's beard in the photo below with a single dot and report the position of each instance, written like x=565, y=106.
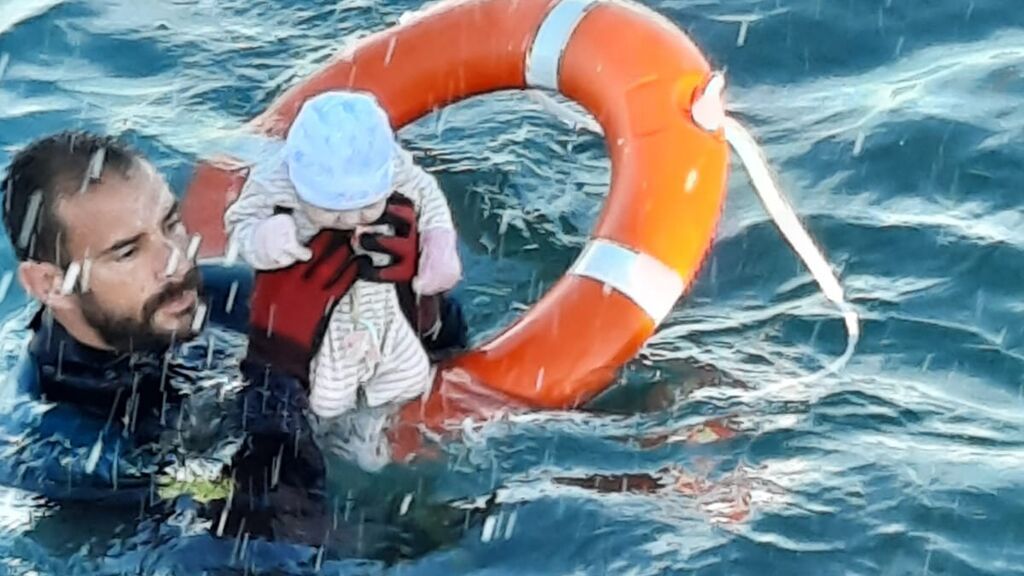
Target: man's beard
x=131, y=334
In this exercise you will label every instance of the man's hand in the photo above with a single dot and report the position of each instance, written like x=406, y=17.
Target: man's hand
x=403, y=246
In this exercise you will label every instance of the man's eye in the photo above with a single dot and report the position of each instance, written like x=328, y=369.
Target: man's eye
x=176, y=224
x=126, y=253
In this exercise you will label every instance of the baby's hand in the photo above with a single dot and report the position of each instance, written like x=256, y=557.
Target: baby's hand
x=276, y=244
x=440, y=268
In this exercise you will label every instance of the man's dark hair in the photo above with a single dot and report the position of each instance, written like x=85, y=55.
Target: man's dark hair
x=43, y=173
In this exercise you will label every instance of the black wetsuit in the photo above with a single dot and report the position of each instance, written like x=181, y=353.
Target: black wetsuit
x=133, y=432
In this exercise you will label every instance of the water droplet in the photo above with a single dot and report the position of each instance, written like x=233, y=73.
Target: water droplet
x=245, y=414
x=506, y=216
x=404, y=508
x=858, y=144
x=232, y=294
x=32, y=243
x=193, y=246
x=95, y=170
x=5, y=284
x=391, y=50
x=348, y=507
x=71, y=278
x=231, y=257
x=361, y=532
x=275, y=474
x=200, y=318
x=60, y=361
x=510, y=525
x=245, y=546
x=691, y=181
x=8, y=193
x=86, y=274
x=238, y=542
x=209, y=352
x=172, y=261
x=741, y=38
x=163, y=404
x=488, y=531
x=441, y=121
x=28, y=225
x=319, y=564
x=96, y=164
x=5, y=58
x=222, y=522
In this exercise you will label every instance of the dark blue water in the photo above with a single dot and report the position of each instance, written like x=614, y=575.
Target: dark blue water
x=896, y=128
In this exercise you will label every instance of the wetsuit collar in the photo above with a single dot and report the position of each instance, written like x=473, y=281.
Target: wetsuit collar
x=72, y=372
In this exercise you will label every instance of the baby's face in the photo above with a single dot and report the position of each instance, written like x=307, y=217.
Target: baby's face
x=344, y=219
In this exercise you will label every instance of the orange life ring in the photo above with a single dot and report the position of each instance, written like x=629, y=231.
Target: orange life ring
x=639, y=75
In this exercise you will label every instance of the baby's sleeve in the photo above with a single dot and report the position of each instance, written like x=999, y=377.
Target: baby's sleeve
x=266, y=188
x=414, y=182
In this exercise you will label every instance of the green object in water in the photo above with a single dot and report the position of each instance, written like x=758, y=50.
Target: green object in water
x=201, y=490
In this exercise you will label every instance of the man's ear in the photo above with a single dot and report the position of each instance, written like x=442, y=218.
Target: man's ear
x=44, y=282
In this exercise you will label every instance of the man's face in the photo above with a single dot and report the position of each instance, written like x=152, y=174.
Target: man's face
x=138, y=287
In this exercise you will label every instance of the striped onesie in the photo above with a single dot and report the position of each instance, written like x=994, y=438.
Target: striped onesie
x=369, y=348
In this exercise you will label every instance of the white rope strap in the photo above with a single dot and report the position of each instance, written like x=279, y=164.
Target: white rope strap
x=709, y=113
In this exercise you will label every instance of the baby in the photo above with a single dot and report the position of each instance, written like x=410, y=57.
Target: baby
x=338, y=167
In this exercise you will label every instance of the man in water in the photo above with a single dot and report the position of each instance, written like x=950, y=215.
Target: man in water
x=108, y=404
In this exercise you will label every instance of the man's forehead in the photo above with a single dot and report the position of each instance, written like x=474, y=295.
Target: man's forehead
x=117, y=207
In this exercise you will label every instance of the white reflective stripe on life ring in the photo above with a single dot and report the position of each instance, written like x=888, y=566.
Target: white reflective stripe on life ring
x=645, y=280
x=545, y=56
